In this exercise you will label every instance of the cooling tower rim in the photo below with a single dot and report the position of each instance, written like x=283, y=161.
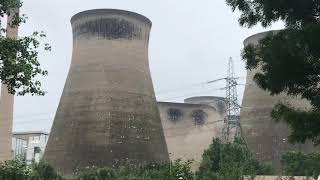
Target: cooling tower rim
x=93, y=12
x=205, y=97
x=185, y=104
x=248, y=39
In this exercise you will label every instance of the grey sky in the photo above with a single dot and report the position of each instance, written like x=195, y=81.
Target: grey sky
x=190, y=43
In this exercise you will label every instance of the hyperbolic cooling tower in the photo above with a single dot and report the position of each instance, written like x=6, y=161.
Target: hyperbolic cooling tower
x=267, y=139
x=6, y=104
x=107, y=114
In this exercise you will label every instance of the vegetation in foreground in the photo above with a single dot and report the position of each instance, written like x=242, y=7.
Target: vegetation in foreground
x=230, y=161
x=299, y=164
x=221, y=162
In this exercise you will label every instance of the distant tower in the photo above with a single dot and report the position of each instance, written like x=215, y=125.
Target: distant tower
x=266, y=139
x=6, y=103
x=233, y=108
x=107, y=114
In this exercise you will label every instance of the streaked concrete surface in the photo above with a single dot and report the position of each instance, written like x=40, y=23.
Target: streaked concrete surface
x=107, y=114
x=186, y=138
x=267, y=139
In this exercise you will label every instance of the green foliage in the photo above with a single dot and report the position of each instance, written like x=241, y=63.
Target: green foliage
x=43, y=171
x=19, y=65
x=7, y=5
x=299, y=164
x=18, y=170
x=289, y=59
x=304, y=124
x=227, y=162
x=224, y=161
x=176, y=171
x=295, y=13
x=14, y=170
x=99, y=174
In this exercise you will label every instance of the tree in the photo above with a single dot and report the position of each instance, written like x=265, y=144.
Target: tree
x=299, y=164
x=177, y=170
x=289, y=60
x=14, y=170
x=19, y=65
x=44, y=171
x=229, y=161
x=19, y=170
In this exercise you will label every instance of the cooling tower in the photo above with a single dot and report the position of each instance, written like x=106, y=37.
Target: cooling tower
x=190, y=127
x=107, y=114
x=219, y=103
x=267, y=139
x=6, y=105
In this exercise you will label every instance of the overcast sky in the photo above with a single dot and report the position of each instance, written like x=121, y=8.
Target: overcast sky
x=191, y=42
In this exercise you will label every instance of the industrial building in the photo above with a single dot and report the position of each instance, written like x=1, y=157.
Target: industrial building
x=29, y=146
x=107, y=115
x=191, y=126
x=267, y=139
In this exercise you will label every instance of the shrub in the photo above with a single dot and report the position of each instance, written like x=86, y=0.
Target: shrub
x=227, y=161
x=300, y=164
x=177, y=170
x=44, y=171
x=15, y=170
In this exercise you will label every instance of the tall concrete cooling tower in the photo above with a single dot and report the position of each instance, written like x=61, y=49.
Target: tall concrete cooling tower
x=6, y=104
x=107, y=114
x=267, y=139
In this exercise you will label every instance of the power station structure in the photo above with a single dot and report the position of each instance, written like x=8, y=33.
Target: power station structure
x=191, y=126
x=231, y=127
x=267, y=139
x=7, y=101
x=108, y=114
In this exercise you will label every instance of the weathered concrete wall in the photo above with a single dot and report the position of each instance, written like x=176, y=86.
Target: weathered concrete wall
x=107, y=114
x=6, y=105
x=219, y=103
x=266, y=139
x=187, y=132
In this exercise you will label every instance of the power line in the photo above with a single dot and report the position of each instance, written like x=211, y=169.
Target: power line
x=186, y=95
x=24, y=116
x=49, y=113
x=194, y=85
x=181, y=88
x=233, y=108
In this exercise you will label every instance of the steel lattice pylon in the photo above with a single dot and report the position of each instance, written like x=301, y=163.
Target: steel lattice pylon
x=233, y=108
x=232, y=121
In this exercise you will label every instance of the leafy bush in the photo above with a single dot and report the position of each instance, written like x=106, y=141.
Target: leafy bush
x=14, y=170
x=177, y=170
x=299, y=164
x=99, y=174
x=222, y=161
x=227, y=161
x=44, y=171
x=18, y=170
